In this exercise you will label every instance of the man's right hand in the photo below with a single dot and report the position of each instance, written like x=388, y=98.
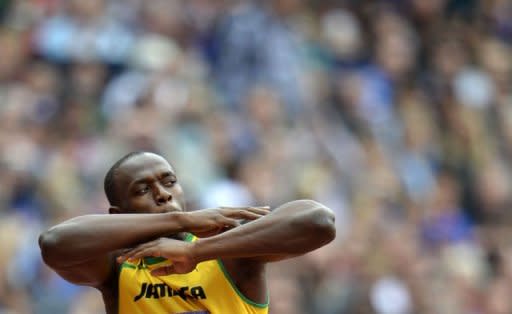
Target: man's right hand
x=208, y=222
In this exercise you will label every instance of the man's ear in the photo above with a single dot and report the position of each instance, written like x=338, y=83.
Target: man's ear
x=114, y=210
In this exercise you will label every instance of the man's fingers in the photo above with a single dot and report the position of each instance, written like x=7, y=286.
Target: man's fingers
x=243, y=214
x=136, y=252
x=260, y=210
x=144, y=253
x=123, y=255
x=163, y=271
x=230, y=223
x=247, y=214
x=250, y=213
x=131, y=253
x=124, y=251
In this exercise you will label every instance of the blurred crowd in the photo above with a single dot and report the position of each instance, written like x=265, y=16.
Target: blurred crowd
x=397, y=114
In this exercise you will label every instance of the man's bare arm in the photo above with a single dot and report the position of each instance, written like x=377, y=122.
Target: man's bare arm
x=90, y=240
x=292, y=229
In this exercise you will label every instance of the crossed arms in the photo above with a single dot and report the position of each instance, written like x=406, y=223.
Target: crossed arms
x=96, y=241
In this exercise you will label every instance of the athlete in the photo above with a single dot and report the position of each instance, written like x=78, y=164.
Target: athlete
x=150, y=255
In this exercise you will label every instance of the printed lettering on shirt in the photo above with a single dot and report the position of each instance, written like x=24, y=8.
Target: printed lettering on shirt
x=160, y=290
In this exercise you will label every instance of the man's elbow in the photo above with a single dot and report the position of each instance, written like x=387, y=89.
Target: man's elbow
x=316, y=219
x=49, y=243
x=323, y=224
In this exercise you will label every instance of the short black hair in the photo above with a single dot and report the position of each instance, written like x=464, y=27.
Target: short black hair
x=109, y=182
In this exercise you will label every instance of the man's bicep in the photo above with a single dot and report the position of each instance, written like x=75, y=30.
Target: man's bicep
x=94, y=273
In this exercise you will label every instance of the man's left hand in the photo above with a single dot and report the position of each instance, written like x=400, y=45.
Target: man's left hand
x=176, y=251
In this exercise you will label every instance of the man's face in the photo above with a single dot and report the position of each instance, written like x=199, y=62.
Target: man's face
x=146, y=183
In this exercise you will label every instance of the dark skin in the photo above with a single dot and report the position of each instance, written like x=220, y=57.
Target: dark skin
x=88, y=250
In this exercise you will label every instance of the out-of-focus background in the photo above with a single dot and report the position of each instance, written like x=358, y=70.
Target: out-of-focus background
x=396, y=114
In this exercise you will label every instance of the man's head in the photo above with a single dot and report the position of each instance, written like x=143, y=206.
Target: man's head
x=143, y=182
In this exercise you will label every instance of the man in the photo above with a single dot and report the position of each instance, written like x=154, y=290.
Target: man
x=151, y=263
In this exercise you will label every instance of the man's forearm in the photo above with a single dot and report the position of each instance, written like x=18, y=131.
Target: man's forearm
x=292, y=229
x=81, y=238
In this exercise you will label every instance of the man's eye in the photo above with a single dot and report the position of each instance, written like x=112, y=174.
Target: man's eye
x=142, y=191
x=169, y=183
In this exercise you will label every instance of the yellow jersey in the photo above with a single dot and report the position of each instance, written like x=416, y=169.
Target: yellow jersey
x=206, y=290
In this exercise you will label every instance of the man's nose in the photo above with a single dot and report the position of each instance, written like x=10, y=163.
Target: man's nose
x=162, y=195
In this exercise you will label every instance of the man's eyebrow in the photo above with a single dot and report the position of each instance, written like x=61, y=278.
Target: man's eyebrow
x=141, y=180
x=167, y=174
x=163, y=175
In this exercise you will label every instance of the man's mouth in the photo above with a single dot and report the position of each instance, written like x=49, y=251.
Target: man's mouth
x=169, y=209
